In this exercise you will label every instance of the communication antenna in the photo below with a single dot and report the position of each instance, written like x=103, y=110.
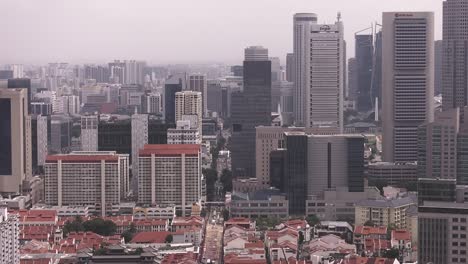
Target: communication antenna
x=338, y=17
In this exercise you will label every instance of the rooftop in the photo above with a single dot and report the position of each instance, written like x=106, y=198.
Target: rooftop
x=175, y=149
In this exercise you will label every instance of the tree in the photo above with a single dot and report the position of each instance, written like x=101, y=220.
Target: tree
x=74, y=226
x=129, y=233
x=225, y=214
x=301, y=238
x=312, y=220
x=392, y=253
x=168, y=239
x=100, y=226
x=226, y=180
x=369, y=223
x=211, y=177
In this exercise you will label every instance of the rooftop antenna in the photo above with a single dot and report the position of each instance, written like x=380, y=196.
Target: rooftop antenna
x=338, y=17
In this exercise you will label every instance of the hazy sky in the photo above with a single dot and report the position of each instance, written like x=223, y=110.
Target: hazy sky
x=173, y=31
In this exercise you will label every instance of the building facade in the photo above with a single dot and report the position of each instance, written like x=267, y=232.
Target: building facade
x=89, y=132
x=408, y=81
x=170, y=175
x=189, y=103
x=84, y=179
x=250, y=108
x=198, y=83
x=9, y=240
x=455, y=54
x=15, y=140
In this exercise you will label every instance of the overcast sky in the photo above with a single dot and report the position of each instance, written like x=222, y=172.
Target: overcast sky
x=173, y=31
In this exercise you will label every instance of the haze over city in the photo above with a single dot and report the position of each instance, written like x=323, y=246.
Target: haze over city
x=179, y=31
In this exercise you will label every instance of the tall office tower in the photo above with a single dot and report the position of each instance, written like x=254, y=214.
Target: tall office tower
x=462, y=151
x=18, y=70
x=39, y=146
x=198, y=83
x=275, y=83
x=376, y=89
x=42, y=148
x=437, y=146
x=15, y=154
x=170, y=175
x=89, y=132
x=189, y=103
x=290, y=67
x=175, y=83
x=438, y=59
x=139, y=139
x=295, y=171
x=315, y=163
x=455, y=54
x=151, y=103
x=60, y=134
x=24, y=83
x=352, y=91
x=115, y=135
x=250, y=108
x=364, y=56
x=183, y=134
x=302, y=30
x=98, y=73
x=70, y=104
x=117, y=72
x=325, y=73
x=407, y=81
x=84, y=179
x=9, y=240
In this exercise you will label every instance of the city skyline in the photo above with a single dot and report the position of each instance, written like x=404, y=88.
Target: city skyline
x=73, y=33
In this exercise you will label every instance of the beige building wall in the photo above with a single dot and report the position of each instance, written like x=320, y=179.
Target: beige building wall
x=20, y=141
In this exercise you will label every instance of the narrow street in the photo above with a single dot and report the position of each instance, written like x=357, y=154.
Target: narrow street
x=213, y=239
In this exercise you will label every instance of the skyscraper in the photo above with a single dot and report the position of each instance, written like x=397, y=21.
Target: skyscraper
x=455, y=54
x=320, y=70
x=139, y=139
x=198, y=83
x=438, y=60
x=15, y=155
x=174, y=84
x=290, y=67
x=408, y=83
x=364, y=55
x=302, y=29
x=250, y=108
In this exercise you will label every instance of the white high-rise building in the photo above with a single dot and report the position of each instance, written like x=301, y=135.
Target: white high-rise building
x=170, y=175
x=86, y=179
x=151, y=103
x=302, y=24
x=89, y=133
x=42, y=146
x=407, y=81
x=198, y=83
x=320, y=67
x=9, y=238
x=189, y=103
x=18, y=70
x=139, y=138
x=70, y=104
x=183, y=134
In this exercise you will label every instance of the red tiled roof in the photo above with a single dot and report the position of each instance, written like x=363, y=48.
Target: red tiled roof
x=36, y=261
x=364, y=260
x=183, y=258
x=170, y=150
x=81, y=158
x=369, y=230
x=242, y=259
x=302, y=224
x=150, y=237
x=401, y=235
x=257, y=244
x=375, y=245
